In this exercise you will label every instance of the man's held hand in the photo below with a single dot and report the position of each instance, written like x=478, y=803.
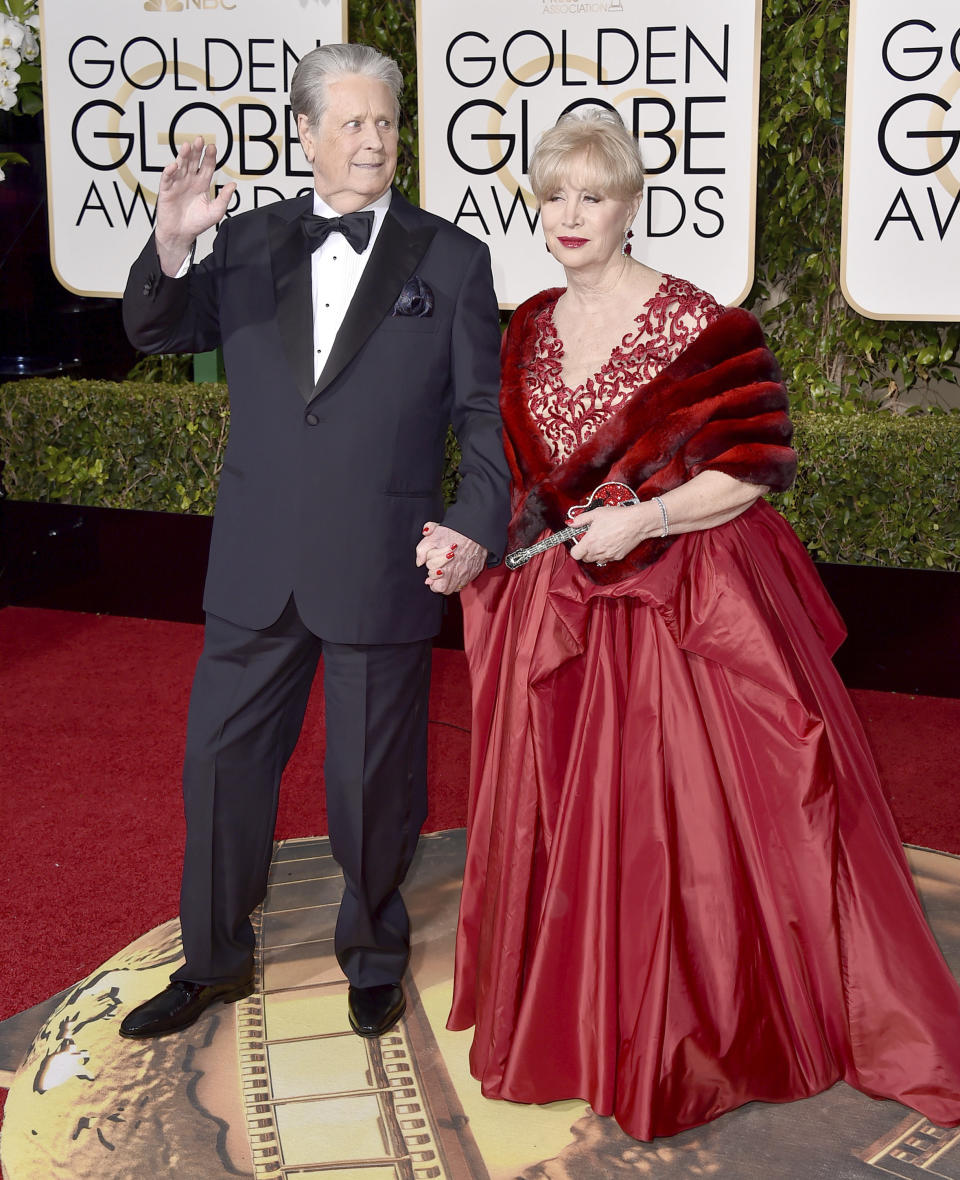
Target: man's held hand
x=452, y=560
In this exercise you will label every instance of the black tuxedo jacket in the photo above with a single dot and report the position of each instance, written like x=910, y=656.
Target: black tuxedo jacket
x=325, y=487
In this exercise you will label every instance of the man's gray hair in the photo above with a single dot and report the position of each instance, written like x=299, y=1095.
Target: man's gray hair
x=308, y=90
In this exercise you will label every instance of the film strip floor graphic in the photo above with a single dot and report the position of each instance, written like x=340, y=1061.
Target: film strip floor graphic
x=920, y=1149
x=277, y=1087
x=318, y=1098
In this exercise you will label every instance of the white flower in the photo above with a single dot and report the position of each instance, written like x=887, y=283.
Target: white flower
x=31, y=46
x=8, y=97
x=2, y=176
x=11, y=33
x=9, y=59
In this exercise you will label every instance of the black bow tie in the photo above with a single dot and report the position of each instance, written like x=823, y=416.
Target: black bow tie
x=355, y=227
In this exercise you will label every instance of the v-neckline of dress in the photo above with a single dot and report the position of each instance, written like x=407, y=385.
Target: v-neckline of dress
x=613, y=360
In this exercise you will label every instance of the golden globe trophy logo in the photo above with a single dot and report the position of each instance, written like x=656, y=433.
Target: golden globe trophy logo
x=127, y=81
x=686, y=84
x=902, y=161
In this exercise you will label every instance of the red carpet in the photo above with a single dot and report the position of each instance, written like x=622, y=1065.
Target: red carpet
x=92, y=710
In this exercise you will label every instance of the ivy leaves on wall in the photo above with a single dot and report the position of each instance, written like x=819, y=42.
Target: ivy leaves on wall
x=390, y=26
x=873, y=487
x=832, y=357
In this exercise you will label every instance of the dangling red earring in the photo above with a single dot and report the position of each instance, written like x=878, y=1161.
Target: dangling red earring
x=626, y=248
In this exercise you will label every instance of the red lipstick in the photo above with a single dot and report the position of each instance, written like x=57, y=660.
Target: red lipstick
x=572, y=243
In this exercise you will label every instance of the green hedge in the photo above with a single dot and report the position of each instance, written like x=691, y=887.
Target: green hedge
x=873, y=488
x=113, y=444
x=877, y=488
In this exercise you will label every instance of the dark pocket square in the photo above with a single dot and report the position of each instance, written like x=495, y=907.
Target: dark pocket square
x=415, y=299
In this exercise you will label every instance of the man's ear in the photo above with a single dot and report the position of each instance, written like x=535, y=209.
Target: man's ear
x=305, y=134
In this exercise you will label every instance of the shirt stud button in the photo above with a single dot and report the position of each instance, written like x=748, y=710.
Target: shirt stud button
x=313, y=420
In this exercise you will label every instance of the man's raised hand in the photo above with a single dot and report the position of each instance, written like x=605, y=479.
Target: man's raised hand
x=184, y=205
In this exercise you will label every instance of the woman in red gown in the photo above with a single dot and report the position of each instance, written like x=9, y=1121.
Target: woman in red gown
x=683, y=888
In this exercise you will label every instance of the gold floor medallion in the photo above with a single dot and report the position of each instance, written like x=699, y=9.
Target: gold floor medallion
x=278, y=1087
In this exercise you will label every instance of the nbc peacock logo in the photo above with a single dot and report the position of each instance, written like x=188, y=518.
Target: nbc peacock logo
x=186, y=5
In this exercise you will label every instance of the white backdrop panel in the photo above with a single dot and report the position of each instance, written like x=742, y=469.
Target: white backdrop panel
x=125, y=81
x=901, y=221
x=684, y=77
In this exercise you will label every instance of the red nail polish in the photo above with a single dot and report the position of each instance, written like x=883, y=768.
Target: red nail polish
x=426, y=529
x=449, y=555
x=439, y=573
x=454, y=545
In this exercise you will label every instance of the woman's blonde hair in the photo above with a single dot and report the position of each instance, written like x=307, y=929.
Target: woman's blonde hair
x=592, y=145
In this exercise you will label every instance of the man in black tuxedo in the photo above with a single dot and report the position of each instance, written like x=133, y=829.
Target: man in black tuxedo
x=354, y=328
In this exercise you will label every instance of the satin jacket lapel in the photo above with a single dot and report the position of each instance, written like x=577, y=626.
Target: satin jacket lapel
x=293, y=287
x=393, y=260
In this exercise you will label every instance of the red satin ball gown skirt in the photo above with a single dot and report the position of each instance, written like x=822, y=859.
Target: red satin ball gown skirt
x=683, y=888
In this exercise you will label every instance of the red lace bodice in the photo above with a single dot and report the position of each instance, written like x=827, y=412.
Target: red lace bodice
x=670, y=320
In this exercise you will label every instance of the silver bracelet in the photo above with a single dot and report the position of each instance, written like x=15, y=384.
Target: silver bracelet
x=663, y=516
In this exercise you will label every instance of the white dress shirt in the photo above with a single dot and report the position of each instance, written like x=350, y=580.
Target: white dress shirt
x=336, y=271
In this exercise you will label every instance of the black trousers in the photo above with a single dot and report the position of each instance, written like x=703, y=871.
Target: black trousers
x=246, y=710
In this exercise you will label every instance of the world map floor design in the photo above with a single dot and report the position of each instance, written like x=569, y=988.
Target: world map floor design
x=277, y=1087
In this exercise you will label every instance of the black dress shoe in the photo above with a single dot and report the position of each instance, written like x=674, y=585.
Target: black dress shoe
x=375, y=1010
x=178, y=1006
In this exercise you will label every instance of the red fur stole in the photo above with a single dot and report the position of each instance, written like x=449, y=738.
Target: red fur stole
x=720, y=406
